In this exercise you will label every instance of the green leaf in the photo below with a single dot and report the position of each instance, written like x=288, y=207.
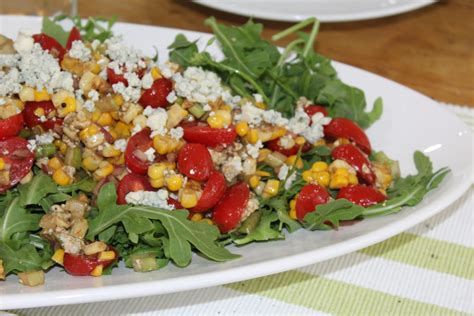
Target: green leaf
x=19, y=256
x=16, y=219
x=332, y=212
x=34, y=191
x=52, y=199
x=54, y=30
x=183, y=51
x=86, y=184
x=263, y=232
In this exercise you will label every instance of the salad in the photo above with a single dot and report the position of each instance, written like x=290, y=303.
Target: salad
x=109, y=155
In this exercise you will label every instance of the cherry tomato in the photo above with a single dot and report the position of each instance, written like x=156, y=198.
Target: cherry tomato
x=228, y=212
x=309, y=197
x=361, y=195
x=114, y=78
x=275, y=145
x=354, y=157
x=156, y=95
x=74, y=35
x=11, y=126
x=174, y=203
x=208, y=136
x=313, y=109
x=214, y=190
x=15, y=153
x=343, y=127
x=50, y=44
x=194, y=161
x=135, y=158
x=82, y=265
x=130, y=183
x=32, y=120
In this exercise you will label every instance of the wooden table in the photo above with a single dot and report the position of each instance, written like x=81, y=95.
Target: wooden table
x=430, y=50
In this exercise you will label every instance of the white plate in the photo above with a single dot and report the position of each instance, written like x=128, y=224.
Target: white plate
x=324, y=10
x=411, y=121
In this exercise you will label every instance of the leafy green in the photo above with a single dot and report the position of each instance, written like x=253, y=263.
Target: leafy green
x=40, y=186
x=263, y=232
x=86, y=184
x=20, y=256
x=17, y=219
x=332, y=212
x=181, y=232
x=53, y=29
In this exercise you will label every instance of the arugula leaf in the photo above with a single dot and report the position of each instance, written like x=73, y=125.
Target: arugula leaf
x=16, y=219
x=94, y=28
x=332, y=212
x=53, y=29
x=182, y=233
x=182, y=50
x=86, y=184
x=263, y=231
x=19, y=256
x=35, y=190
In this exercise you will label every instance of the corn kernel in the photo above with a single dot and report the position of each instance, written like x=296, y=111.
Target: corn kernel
x=118, y=99
x=208, y=221
x=27, y=94
x=196, y=217
x=226, y=116
x=300, y=140
x=226, y=108
x=155, y=73
x=307, y=176
x=174, y=182
x=294, y=161
x=342, y=141
x=353, y=179
x=105, y=169
x=96, y=115
x=319, y=166
x=322, y=178
x=164, y=144
x=106, y=255
x=42, y=95
x=216, y=121
x=89, y=131
x=97, y=271
x=271, y=188
x=252, y=136
x=261, y=105
x=156, y=170
x=293, y=204
x=254, y=181
x=157, y=183
x=262, y=154
x=67, y=106
x=54, y=163
x=338, y=182
x=105, y=119
x=277, y=133
x=262, y=173
x=95, y=69
x=110, y=151
x=242, y=128
x=292, y=214
x=115, y=115
x=91, y=163
x=58, y=256
x=2, y=164
x=39, y=112
x=320, y=142
x=188, y=198
x=122, y=130
x=61, y=177
x=341, y=172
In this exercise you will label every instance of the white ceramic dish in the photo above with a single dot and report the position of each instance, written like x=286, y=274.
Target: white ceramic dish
x=324, y=10
x=411, y=121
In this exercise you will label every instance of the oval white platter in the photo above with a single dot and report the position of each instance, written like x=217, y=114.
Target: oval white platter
x=410, y=121
x=324, y=10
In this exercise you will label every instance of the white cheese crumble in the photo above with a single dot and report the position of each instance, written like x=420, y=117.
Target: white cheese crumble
x=43, y=139
x=80, y=51
x=150, y=154
x=93, y=95
x=167, y=70
x=177, y=133
x=129, y=93
x=120, y=144
x=207, y=107
x=283, y=172
x=253, y=150
x=171, y=97
x=156, y=121
x=232, y=168
x=89, y=106
x=258, y=97
x=198, y=85
x=147, y=81
x=315, y=132
x=299, y=122
x=150, y=198
x=24, y=41
x=122, y=55
x=254, y=116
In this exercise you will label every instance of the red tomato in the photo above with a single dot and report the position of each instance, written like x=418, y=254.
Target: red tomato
x=309, y=197
x=82, y=265
x=208, y=136
x=50, y=44
x=174, y=203
x=11, y=126
x=156, y=95
x=32, y=120
x=114, y=78
x=275, y=145
x=313, y=109
x=74, y=35
x=228, y=212
x=354, y=157
x=194, y=161
x=361, y=195
x=343, y=127
x=135, y=158
x=214, y=190
x=130, y=183
x=18, y=157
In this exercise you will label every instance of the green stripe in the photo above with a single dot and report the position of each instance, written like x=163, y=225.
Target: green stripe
x=426, y=253
x=334, y=297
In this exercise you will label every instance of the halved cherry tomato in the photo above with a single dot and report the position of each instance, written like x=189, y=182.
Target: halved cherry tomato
x=313, y=109
x=82, y=265
x=309, y=197
x=361, y=195
x=50, y=44
x=74, y=35
x=194, y=161
x=32, y=120
x=156, y=95
x=228, y=212
x=208, y=136
x=275, y=145
x=15, y=153
x=174, y=203
x=130, y=183
x=11, y=126
x=114, y=78
x=135, y=158
x=214, y=190
x=354, y=157
x=343, y=127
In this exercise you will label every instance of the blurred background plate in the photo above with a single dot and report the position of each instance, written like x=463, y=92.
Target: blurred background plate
x=324, y=10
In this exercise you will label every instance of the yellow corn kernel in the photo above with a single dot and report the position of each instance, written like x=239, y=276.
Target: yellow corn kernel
x=252, y=136
x=341, y=172
x=42, y=95
x=97, y=272
x=261, y=105
x=89, y=131
x=300, y=140
x=307, y=175
x=196, y=217
x=242, y=128
x=216, y=121
x=115, y=115
x=122, y=130
x=27, y=94
x=292, y=214
x=294, y=161
x=157, y=170
x=117, y=161
x=322, y=178
x=58, y=256
x=188, y=198
x=91, y=163
x=342, y=141
x=105, y=169
x=61, y=177
x=95, y=68
x=155, y=73
x=164, y=144
x=68, y=106
x=110, y=151
x=2, y=164
x=39, y=112
x=226, y=108
x=113, y=133
x=174, y=182
x=157, y=183
x=208, y=221
x=262, y=173
x=338, y=182
x=96, y=115
x=293, y=204
x=353, y=179
x=54, y=163
x=271, y=188
x=226, y=116
x=106, y=255
x=262, y=154
x=277, y=133
x=105, y=119
x=61, y=146
x=118, y=99
x=319, y=166
x=254, y=181
x=320, y=142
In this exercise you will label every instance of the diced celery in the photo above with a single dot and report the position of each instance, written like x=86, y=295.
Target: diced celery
x=249, y=225
x=197, y=111
x=46, y=150
x=73, y=157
